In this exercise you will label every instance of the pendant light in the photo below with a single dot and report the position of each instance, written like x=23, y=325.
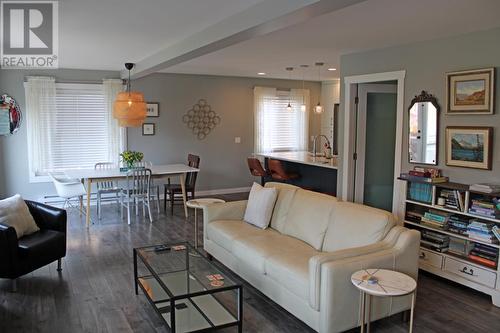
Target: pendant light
x=129, y=107
x=319, y=108
x=303, y=106
x=289, y=106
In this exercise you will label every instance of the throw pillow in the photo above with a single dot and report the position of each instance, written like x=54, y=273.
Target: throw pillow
x=260, y=206
x=15, y=213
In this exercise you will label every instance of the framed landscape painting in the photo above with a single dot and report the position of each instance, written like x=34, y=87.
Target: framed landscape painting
x=471, y=92
x=469, y=147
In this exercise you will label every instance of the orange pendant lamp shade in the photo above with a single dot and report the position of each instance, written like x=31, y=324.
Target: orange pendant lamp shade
x=129, y=107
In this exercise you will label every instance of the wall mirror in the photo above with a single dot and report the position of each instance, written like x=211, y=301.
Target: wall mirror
x=423, y=129
x=10, y=115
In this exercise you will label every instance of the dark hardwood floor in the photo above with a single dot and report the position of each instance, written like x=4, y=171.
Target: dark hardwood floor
x=94, y=292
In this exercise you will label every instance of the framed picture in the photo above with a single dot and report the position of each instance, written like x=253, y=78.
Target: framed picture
x=152, y=110
x=148, y=129
x=469, y=147
x=471, y=92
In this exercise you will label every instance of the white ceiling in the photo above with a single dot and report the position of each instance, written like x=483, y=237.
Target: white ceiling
x=368, y=25
x=103, y=34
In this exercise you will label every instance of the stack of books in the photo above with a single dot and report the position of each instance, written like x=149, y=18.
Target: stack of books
x=485, y=208
x=435, y=219
x=420, y=192
x=458, y=224
x=453, y=199
x=485, y=188
x=481, y=231
x=414, y=216
x=485, y=255
x=434, y=241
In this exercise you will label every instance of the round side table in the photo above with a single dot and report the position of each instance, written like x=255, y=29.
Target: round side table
x=199, y=204
x=382, y=283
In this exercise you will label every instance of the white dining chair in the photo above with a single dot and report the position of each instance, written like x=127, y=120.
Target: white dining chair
x=155, y=189
x=68, y=189
x=106, y=187
x=136, y=192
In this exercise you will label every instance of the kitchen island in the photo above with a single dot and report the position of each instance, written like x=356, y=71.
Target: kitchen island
x=316, y=173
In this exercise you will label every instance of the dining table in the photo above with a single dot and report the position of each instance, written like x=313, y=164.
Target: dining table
x=89, y=176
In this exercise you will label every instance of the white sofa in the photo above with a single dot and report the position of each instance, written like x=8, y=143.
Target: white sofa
x=305, y=259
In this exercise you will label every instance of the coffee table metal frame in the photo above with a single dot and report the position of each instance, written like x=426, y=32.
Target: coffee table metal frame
x=173, y=298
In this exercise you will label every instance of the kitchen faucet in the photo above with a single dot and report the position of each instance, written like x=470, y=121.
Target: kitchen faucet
x=315, y=146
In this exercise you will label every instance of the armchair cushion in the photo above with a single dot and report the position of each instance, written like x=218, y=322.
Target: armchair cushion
x=15, y=213
x=44, y=246
x=48, y=217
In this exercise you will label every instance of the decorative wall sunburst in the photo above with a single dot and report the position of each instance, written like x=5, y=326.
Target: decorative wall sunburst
x=201, y=119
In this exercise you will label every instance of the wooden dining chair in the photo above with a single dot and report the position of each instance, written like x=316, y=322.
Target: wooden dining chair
x=172, y=191
x=278, y=172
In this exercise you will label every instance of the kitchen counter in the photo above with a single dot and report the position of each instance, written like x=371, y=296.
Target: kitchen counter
x=316, y=173
x=303, y=157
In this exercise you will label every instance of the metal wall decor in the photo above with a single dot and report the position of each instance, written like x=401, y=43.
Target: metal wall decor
x=10, y=115
x=201, y=119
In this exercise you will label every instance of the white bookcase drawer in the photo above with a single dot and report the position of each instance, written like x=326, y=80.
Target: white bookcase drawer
x=430, y=258
x=470, y=272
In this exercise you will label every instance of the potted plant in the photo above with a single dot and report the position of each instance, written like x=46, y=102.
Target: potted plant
x=130, y=157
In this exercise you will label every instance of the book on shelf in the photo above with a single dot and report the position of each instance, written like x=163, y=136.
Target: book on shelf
x=483, y=261
x=485, y=187
x=496, y=232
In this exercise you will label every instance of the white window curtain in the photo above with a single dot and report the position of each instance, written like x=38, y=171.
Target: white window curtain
x=117, y=135
x=276, y=128
x=40, y=100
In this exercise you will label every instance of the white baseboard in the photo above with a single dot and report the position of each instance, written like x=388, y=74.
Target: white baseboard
x=223, y=191
x=58, y=202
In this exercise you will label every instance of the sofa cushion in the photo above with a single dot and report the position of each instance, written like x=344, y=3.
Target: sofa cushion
x=255, y=249
x=308, y=217
x=354, y=225
x=15, y=213
x=224, y=232
x=290, y=268
x=286, y=192
x=260, y=206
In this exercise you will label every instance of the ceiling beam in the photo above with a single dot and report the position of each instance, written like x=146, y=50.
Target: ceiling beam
x=261, y=19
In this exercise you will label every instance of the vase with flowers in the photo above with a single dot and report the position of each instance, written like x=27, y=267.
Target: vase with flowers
x=130, y=157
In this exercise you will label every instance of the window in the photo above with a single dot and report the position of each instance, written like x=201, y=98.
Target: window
x=69, y=127
x=276, y=128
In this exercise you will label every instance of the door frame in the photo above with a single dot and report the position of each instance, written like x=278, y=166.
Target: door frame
x=348, y=171
x=363, y=90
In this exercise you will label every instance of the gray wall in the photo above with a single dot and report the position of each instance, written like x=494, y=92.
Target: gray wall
x=222, y=161
x=14, y=148
x=426, y=64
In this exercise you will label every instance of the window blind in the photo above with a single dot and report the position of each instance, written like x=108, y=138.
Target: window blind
x=76, y=129
x=283, y=130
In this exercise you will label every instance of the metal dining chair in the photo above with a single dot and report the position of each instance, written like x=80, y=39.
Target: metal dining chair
x=155, y=189
x=137, y=191
x=106, y=187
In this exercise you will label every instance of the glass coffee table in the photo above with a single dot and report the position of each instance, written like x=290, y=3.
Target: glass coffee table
x=188, y=291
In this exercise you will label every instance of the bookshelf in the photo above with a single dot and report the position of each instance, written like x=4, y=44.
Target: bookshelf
x=443, y=259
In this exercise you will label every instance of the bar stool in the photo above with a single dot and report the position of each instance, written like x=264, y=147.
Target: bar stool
x=278, y=172
x=256, y=169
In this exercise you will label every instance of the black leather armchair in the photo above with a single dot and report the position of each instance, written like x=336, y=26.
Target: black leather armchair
x=22, y=256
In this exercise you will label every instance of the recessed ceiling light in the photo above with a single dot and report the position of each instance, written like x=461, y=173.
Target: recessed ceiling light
x=261, y=73
x=332, y=69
